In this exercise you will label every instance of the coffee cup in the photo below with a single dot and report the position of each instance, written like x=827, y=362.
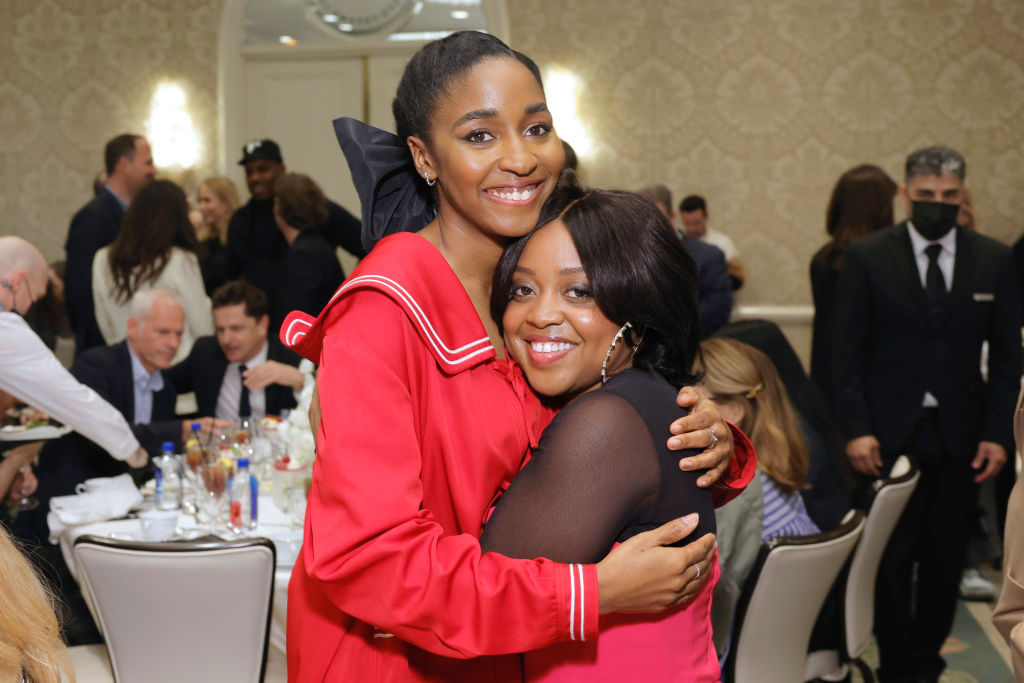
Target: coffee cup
x=93, y=485
x=158, y=525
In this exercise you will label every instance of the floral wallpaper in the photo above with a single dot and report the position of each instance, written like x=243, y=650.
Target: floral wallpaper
x=76, y=73
x=759, y=106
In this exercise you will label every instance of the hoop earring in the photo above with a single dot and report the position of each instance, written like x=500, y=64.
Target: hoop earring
x=430, y=183
x=608, y=355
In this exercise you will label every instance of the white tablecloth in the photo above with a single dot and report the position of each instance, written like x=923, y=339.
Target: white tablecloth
x=273, y=523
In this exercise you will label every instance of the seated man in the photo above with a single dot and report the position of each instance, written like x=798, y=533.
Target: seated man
x=128, y=376
x=241, y=372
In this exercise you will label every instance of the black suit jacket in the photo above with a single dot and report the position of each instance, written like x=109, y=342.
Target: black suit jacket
x=889, y=350
x=202, y=371
x=823, y=290
x=310, y=275
x=256, y=247
x=714, y=287
x=94, y=226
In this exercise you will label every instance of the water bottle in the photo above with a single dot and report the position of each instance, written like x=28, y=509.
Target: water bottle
x=244, y=491
x=168, y=478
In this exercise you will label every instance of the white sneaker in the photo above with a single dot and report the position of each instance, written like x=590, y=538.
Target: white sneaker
x=974, y=586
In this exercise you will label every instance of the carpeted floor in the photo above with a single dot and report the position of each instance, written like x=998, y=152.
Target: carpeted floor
x=974, y=652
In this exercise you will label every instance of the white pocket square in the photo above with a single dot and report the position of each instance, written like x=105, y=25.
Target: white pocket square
x=984, y=296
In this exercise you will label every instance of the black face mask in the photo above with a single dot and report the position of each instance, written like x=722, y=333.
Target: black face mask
x=933, y=219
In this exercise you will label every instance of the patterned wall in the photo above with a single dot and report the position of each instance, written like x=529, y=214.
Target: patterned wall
x=75, y=74
x=761, y=105
x=757, y=105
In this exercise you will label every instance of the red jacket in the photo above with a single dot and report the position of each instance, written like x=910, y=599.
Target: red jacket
x=422, y=425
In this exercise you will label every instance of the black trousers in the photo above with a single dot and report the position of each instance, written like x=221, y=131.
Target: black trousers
x=913, y=621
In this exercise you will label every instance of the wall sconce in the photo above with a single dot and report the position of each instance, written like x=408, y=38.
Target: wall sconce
x=560, y=87
x=170, y=130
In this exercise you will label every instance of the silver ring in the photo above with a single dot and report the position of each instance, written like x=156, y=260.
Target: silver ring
x=714, y=438
x=697, y=567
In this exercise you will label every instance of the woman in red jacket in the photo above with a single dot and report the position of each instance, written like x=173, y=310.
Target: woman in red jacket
x=424, y=420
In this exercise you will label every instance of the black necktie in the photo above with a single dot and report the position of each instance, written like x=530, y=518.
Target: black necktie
x=244, y=410
x=935, y=283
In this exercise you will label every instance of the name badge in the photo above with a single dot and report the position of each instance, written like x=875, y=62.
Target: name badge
x=984, y=296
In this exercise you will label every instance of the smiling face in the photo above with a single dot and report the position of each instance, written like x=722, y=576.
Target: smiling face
x=553, y=326
x=493, y=150
x=215, y=211
x=260, y=176
x=240, y=336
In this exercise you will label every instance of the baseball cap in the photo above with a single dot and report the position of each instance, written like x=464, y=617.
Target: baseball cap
x=260, y=149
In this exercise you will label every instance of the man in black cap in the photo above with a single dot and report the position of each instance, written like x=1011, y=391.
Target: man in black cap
x=255, y=245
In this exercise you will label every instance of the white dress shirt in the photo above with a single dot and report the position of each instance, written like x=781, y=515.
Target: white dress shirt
x=231, y=390
x=30, y=372
x=947, y=258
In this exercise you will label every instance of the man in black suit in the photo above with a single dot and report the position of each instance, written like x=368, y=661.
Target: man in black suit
x=255, y=246
x=240, y=372
x=129, y=166
x=915, y=303
x=714, y=286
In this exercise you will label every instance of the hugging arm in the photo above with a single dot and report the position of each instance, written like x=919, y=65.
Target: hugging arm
x=371, y=546
x=730, y=461
x=596, y=469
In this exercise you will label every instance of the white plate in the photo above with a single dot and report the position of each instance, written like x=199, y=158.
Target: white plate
x=46, y=432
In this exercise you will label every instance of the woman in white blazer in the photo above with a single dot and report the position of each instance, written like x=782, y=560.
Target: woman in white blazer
x=156, y=247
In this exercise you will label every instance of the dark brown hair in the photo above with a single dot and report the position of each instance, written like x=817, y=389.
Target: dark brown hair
x=117, y=148
x=156, y=221
x=637, y=266
x=861, y=203
x=241, y=292
x=300, y=201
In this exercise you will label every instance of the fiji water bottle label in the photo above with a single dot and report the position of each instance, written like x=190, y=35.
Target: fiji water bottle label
x=235, y=513
x=158, y=476
x=254, y=491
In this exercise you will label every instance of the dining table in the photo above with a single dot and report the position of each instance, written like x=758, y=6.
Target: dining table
x=272, y=523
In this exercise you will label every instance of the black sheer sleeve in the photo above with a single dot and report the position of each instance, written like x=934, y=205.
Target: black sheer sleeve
x=595, y=470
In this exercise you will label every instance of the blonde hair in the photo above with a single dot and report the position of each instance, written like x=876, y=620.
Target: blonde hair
x=224, y=189
x=738, y=373
x=30, y=638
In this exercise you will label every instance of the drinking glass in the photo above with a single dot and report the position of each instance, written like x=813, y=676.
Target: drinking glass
x=215, y=476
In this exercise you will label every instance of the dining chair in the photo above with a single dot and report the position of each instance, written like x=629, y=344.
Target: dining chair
x=190, y=611
x=782, y=599
x=888, y=498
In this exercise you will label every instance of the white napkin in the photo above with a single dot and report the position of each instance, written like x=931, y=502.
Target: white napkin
x=110, y=502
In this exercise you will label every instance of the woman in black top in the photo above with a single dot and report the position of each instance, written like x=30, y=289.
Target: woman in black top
x=598, y=305
x=861, y=203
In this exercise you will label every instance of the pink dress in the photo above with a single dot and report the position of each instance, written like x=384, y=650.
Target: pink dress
x=675, y=646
